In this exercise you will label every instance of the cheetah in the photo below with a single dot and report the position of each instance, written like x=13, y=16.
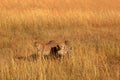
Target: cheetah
x=47, y=49
x=53, y=48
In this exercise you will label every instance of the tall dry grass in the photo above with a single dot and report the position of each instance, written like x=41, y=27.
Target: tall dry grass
x=93, y=27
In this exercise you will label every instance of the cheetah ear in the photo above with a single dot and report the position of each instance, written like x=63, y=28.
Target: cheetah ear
x=51, y=41
x=35, y=42
x=67, y=42
x=58, y=47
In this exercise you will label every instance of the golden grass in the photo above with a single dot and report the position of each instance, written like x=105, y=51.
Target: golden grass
x=92, y=26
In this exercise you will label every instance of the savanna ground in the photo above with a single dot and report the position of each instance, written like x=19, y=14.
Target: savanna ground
x=92, y=26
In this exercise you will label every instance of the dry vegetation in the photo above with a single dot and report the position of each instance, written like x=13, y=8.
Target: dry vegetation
x=93, y=27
